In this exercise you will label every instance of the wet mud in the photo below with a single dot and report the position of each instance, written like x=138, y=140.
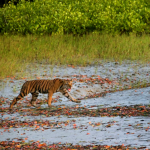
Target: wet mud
x=114, y=112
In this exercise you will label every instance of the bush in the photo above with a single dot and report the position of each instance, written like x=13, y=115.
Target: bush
x=77, y=17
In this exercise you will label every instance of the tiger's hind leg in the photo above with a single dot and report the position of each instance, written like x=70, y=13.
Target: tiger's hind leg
x=19, y=97
x=34, y=97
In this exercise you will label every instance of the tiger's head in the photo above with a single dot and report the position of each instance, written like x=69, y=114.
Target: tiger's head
x=67, y=85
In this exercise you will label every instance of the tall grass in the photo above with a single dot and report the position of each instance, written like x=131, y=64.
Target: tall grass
x=16, y=51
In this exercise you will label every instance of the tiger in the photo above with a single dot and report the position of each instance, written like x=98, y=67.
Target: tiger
x=44, y=86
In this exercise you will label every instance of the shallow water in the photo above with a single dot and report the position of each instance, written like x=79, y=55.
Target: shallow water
x=132, y=131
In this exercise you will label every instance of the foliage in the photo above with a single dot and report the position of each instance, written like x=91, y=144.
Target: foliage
x=77, y=17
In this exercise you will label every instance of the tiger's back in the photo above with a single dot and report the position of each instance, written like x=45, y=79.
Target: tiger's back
x=41, y=86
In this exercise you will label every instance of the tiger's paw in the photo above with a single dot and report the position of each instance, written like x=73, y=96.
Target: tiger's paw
x=10, y=109
x=77, y=101
x=33, y=104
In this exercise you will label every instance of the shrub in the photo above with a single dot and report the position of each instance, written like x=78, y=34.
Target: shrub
x=77, y=17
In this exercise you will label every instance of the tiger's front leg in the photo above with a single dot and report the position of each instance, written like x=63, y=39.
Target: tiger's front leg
x=66, y=94
x=50, y=94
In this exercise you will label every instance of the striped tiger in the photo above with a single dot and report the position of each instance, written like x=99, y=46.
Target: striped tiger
x=44, y=86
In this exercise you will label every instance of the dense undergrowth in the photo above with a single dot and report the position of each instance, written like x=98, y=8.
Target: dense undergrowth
x=75, y=17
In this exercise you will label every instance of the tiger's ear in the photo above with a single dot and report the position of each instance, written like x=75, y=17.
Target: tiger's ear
x=70, y=81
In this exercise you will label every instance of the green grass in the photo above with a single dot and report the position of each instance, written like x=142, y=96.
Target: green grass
x=16, y=51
